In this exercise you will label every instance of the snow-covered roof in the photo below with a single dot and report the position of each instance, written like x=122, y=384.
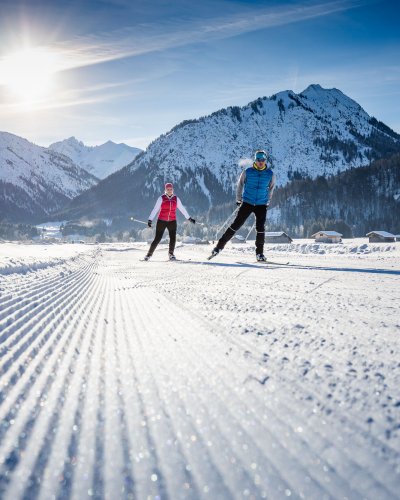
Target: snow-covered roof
x=276, y=233
x=384, y=234
x=327, y=233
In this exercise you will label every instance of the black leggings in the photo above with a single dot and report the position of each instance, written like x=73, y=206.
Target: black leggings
x=260, y=211
x=160, y=228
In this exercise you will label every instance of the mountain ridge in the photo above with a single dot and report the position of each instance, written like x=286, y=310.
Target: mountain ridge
x=101, y=160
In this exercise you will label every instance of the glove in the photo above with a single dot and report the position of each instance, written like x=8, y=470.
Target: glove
x=192, y=220
x=238, y=203
x=149, y=223
x=267, y=205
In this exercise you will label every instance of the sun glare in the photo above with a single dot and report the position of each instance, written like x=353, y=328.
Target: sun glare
x=28, y=74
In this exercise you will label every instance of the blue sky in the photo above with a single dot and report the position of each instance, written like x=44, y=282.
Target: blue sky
x=130, y=70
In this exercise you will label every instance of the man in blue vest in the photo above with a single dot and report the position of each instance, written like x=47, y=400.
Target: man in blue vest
x=253, y=195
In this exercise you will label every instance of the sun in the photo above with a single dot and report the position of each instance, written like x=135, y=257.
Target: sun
x=29, y=74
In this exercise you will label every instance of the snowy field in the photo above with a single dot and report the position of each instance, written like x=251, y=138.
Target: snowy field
x=228, y=379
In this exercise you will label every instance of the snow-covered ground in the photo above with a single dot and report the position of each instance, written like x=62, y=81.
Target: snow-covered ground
x=23, y=258
x=193, y=379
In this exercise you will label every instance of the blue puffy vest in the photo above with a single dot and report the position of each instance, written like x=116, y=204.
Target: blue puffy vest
x=256, y=186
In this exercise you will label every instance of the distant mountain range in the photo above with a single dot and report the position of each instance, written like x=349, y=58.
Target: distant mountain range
x=319, y=132
x=36, y=181
x=100, y=161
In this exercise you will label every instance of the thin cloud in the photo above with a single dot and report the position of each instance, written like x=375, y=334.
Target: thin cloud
x=142, y=39
x=69, y=98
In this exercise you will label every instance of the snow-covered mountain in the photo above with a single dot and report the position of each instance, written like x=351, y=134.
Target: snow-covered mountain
x=100, y=161
x=35, y=181
x=317, y=132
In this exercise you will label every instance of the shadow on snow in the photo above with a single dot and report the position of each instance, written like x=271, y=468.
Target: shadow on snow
x=294, y=266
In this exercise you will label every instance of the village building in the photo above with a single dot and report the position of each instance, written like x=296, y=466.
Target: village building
x=380, y=236
x=277, y=237
x=327, y=237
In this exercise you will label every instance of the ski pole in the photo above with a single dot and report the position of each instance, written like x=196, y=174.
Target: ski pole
x=137, y=220
x=248, y=234
x=227, y=221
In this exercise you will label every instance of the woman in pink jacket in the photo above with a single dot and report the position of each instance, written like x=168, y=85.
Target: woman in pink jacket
x=166, y=205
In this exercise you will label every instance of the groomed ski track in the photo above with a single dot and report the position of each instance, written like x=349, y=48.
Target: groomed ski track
x=191, y=380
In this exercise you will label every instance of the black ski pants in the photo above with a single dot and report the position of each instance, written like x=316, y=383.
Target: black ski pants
x=161, y=226
x=260, y=211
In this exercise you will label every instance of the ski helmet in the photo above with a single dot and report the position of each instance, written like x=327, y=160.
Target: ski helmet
x=260, y=154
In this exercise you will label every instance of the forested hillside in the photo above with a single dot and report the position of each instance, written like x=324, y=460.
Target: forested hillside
x=355, y=201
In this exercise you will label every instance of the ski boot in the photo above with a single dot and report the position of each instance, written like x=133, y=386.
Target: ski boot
x=261, y=257
x=214, y=253
x=147, y=257
x=171, y=256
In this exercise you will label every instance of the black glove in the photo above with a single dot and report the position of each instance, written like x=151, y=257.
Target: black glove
x=149, y=223
x=192, y=220
x=238, y=203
